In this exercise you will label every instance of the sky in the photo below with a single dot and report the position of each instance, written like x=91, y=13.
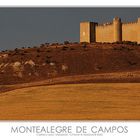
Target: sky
x=24, y=27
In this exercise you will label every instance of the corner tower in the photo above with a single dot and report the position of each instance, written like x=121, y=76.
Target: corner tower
x=117, y=28
x=87, y=32
x=138, y=31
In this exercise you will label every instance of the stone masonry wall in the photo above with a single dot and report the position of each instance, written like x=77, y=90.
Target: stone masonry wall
x=110, y=32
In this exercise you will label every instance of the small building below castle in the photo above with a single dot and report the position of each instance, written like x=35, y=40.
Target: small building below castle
x=116, y=31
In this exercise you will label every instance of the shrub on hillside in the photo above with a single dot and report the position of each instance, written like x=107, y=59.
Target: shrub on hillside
x=25, y=52
x=84, y=45
x=22, y=54
x=16, y=50
x=48, y=51
x=118, y=42
x=75, y=42
x=66, y=42
x=64, y=48
x=38, y=50
x=48, y=57
x=38, y=56
x=84, y=42
x=129, y=42
x=53, y=44
x=72, y=48
x=47, y=43
x=47, y=61
x=132, y=63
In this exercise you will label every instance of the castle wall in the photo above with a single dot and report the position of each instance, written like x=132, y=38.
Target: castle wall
x=130, y=32
x=110, y=32
x=138, y=31
x=104, y=33
x=84, y=32
x=87, y=32
x=117, y=25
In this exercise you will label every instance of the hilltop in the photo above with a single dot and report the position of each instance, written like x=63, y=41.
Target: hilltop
x=106, y=62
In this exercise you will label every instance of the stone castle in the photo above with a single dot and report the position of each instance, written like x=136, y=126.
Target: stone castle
x=116, y=31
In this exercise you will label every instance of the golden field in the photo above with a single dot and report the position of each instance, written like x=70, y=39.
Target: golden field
x=90, y=101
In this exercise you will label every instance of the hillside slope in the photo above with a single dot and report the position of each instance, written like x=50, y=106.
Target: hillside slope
x=46, y=62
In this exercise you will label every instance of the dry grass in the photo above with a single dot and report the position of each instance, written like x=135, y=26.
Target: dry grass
x=120, y=101
x=116, y=77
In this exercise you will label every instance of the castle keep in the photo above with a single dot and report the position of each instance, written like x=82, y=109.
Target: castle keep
x=115, y=31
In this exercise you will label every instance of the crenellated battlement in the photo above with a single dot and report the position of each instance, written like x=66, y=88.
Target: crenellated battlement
x=128, y=23
x=105, y=24
x=110, y=31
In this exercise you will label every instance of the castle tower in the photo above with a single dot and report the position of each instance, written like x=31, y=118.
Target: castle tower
x=138, y=30
x=87, y=32
x=117, y=27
